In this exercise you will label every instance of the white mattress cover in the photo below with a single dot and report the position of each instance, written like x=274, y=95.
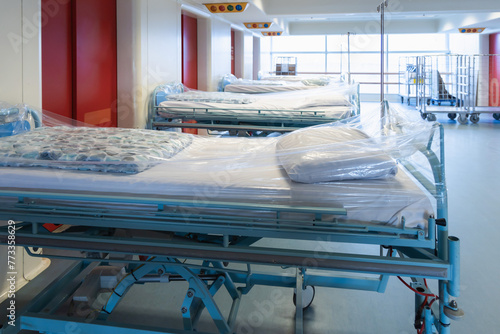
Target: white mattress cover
x=249, y=89
x=208, y=170
x=333, y=104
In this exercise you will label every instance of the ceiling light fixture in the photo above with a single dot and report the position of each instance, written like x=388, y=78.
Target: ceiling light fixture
x=258, y=25
x=229, y=7
x=471, y=30
x=272, y=33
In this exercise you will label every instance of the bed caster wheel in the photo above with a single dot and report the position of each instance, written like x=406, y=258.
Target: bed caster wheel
x=452, y=116
x=307, y=296
x=424, y=115
x=431, y=117
x=402, y=99
x=453, y=312
x=474, y=118
x=429, y=102
x=496, y=116
x=408, y=101
x=462, y=119
x=439, y=103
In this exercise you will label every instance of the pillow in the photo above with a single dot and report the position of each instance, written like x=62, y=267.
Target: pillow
x=326, y=154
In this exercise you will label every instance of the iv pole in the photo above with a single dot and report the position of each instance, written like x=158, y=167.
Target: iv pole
x=381, y=10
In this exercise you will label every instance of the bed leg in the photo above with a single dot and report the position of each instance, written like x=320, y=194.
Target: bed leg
x=199, y=296
x=194, y=303
x=419, y=301
x=299, y=312
x=429, y=320
x=443, y=321
x=448, y=308
x=229, y=283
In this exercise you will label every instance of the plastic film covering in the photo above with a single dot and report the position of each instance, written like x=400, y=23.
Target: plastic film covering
x=230, y=83
x=328, y=101
x=302, y=78
x=360, y=162
x=15, y=119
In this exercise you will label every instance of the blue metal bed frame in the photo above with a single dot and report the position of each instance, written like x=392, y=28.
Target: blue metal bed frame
x=258, y=121
x=211, y=241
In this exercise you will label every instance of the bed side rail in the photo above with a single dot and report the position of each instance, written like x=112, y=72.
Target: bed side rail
x=208, y=217
x=436, y=186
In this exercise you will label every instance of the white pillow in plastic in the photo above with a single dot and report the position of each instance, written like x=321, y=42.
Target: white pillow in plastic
x=326, y=154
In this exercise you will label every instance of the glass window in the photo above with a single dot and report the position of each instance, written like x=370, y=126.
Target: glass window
x=417, y=42
x=312, y=56
x=365, y=62
x=336, y=43
x=314, y=62
x=336, y=63
x=265, y=63
x=363, y=42
x=299, y=44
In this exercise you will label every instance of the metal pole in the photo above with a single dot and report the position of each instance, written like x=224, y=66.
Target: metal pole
x=349, y=57
x=381, y=10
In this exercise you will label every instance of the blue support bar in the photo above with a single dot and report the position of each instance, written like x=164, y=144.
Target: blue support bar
x=442, y=242
x=61, y=325
x=129, y=280
x=429, y=320
x=454, y=258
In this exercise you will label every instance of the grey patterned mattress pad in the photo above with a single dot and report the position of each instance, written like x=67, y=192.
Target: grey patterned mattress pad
x=91, y=149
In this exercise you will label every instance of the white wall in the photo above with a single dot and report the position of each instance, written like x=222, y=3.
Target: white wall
x=256, y=57
x=150, y=38
x=244, y=55
x=239, y=54
x=149, y=54
x=466, y=44
x=20, y=56
x=220, y=54
x=247, y=55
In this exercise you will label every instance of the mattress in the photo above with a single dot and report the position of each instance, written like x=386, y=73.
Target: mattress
x=274, y=86
x=240, y=170
x=330, y=103
x=263, y=88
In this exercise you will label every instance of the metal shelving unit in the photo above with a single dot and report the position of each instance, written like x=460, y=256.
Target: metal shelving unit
x=286, y=66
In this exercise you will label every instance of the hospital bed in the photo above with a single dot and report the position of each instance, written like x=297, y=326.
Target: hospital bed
x=230, y=83
x=172, y=105
x=171, y=207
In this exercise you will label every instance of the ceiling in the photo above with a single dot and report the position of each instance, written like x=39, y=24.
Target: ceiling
x=312, y=17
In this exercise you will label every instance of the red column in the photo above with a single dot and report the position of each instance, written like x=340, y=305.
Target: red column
x=190, y=51
x=79, y=60
x=95, y=87
x=57, y=71
x=190, y=57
